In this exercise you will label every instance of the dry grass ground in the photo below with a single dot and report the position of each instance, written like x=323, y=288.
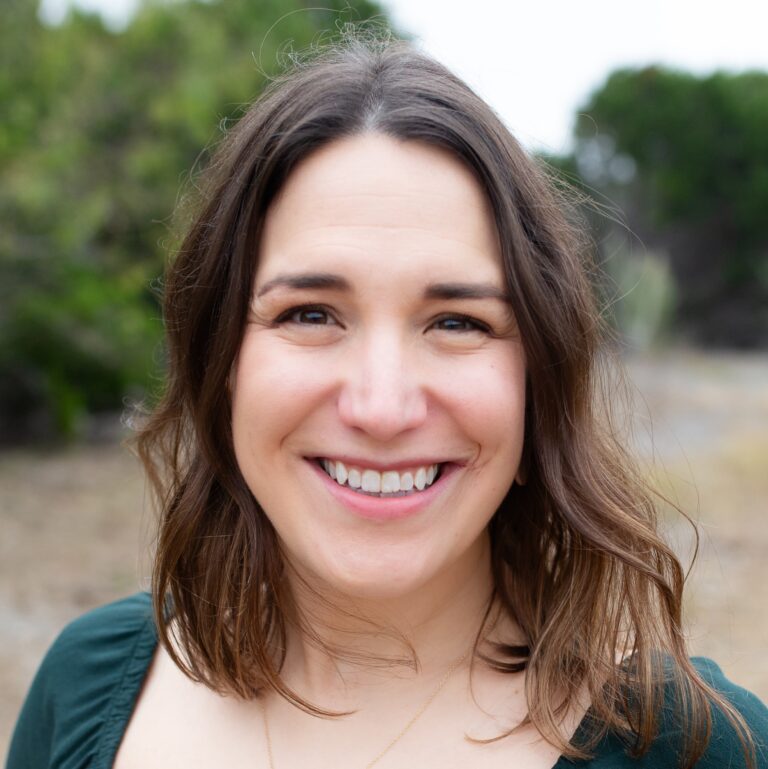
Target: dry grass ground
x=76, y=526
x=710, y=438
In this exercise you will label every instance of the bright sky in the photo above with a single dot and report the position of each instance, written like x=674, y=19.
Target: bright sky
x=536, y=61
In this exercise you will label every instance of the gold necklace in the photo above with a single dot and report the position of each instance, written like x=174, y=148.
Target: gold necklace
x=400, y=734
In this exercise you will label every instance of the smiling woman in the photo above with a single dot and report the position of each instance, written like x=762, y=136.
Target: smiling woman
x=345, y=290
x=396, y=527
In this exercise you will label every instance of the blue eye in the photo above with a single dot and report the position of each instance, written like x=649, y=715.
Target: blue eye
x=315, y=317
x=461, y=323
x=307, y=316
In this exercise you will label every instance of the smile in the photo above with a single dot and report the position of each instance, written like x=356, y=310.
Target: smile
x=390, y=483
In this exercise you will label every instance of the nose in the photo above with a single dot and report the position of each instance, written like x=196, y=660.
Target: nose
x=382, y=393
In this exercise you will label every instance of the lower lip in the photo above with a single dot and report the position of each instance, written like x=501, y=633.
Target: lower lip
x=385, y=508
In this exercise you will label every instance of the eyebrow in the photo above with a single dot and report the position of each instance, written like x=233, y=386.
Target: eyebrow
x=306, y=280
x=333, y=282
x=465, y=291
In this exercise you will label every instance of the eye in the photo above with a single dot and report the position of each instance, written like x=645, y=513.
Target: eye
x=307, y=315
x=460, y=323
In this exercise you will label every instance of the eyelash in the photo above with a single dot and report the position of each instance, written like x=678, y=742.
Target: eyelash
x=286, y=316
x=289, y=316
x=468, y=319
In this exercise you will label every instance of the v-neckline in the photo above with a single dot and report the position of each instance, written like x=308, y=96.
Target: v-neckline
x=140, y=659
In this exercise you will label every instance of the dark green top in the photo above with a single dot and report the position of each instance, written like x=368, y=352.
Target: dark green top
x=81, y=699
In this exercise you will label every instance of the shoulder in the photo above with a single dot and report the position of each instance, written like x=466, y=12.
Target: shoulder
x=724, y=748
x=84, y=690
x=91, y=644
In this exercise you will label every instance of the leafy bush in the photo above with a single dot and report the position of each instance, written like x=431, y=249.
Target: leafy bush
x=99, y=133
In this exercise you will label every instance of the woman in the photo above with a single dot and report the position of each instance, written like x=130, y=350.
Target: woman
x=397, y=529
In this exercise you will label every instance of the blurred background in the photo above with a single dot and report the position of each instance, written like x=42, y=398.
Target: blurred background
x=656, y=115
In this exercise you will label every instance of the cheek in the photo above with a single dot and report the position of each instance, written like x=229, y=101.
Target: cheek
x=488, y=399
x=273, y=388
x=261, y=370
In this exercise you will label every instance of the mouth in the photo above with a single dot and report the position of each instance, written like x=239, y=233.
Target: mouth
x=385, y=484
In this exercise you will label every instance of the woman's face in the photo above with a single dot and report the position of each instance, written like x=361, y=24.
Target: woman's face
x=379, y=393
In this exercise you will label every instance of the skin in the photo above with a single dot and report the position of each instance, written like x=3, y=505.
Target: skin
x=380, y=372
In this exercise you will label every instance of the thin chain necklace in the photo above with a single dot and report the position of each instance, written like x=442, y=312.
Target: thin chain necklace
x=420, y=712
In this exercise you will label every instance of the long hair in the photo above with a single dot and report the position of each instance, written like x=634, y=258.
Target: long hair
x=576, y=558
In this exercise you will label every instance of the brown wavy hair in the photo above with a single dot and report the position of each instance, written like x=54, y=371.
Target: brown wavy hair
x=576, y=558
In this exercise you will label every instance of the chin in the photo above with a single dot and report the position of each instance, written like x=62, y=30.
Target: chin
x=385, y=569
x=368, y=576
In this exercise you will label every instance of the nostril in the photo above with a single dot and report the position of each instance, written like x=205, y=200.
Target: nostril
x=382, y=411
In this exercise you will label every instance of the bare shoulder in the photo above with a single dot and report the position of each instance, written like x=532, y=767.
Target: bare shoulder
x=178, y=722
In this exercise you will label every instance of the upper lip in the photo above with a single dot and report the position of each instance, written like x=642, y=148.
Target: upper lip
x=377, y=464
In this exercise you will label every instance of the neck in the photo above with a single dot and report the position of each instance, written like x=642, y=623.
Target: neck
x=357, y=641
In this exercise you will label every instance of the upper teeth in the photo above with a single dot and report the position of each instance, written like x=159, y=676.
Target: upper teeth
x=388, y=482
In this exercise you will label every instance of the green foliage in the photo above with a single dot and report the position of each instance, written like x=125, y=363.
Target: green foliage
x=687, y=159
x=99, y=132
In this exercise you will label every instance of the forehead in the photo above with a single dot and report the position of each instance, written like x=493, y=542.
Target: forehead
x=373, y=198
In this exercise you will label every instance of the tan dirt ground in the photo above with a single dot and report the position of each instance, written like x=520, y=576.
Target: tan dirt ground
x=77, y=527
